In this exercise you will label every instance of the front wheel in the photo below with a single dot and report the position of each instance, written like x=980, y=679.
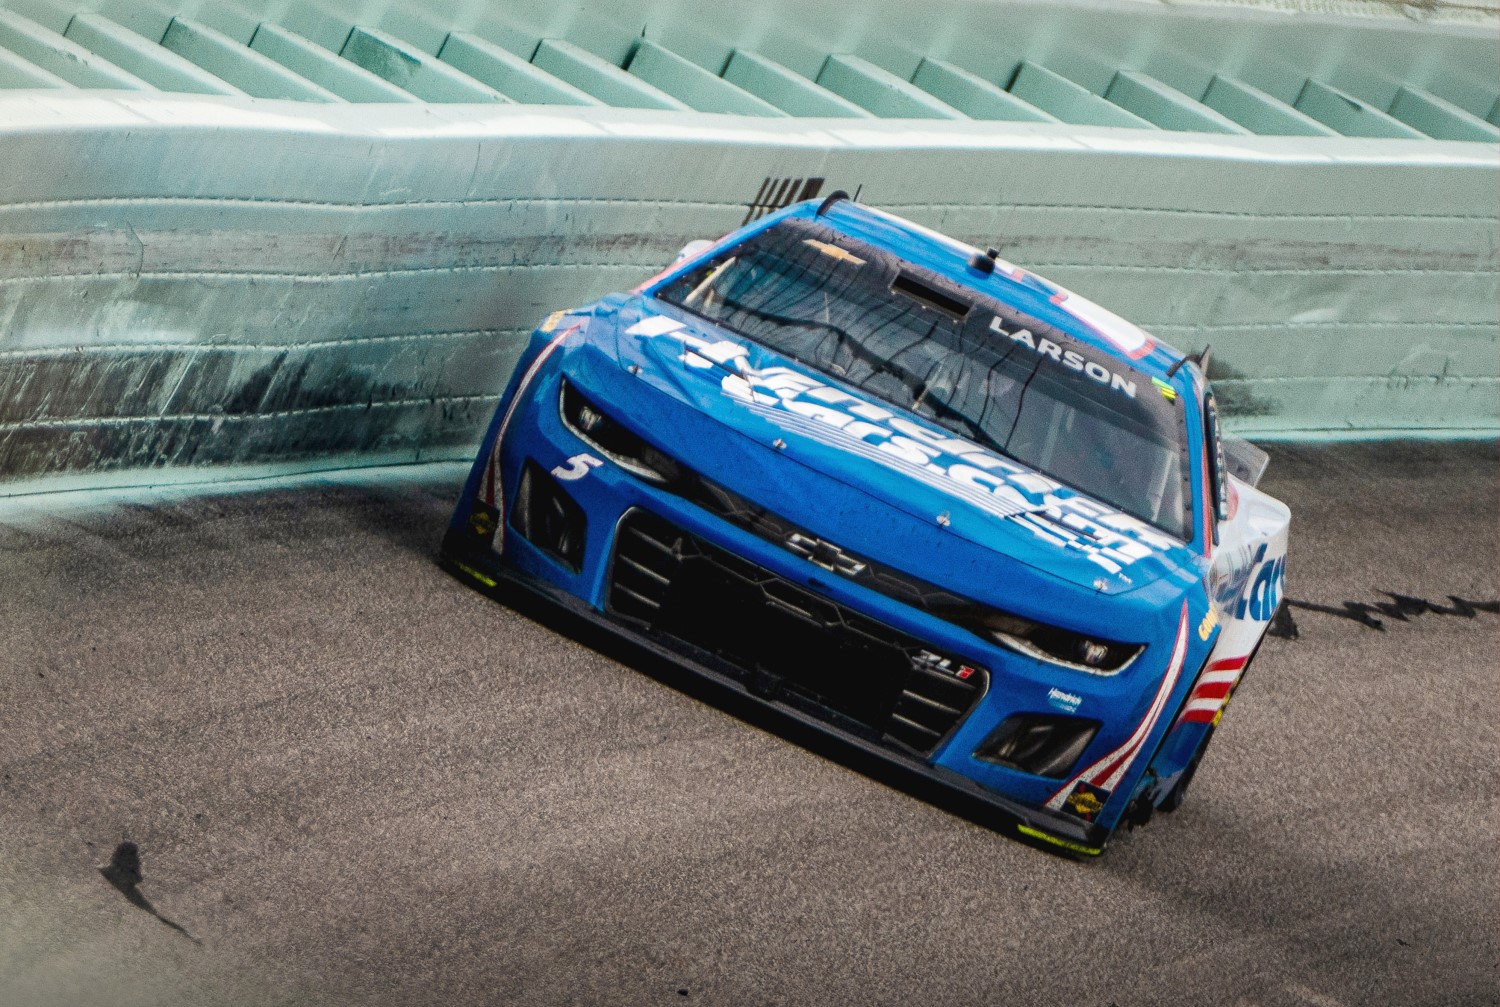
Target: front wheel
x=1178, y=793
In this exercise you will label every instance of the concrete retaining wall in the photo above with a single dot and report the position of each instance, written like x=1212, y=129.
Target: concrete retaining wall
x=190, y=280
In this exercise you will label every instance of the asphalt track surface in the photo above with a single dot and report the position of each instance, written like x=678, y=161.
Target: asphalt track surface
x=353, y=780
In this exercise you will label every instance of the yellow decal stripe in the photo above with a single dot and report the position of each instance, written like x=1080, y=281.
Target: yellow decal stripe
x=486, y=581
x=1067, y=844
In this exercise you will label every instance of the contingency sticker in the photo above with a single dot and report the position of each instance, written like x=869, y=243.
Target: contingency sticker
x=1086, y=800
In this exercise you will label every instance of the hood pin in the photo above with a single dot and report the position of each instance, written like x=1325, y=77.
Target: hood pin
x=943, y=520
x=779, y=444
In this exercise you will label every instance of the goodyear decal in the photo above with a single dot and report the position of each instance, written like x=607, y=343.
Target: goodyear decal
x=1206, y=627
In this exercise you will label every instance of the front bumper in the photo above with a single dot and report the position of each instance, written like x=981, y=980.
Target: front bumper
x=486, y=570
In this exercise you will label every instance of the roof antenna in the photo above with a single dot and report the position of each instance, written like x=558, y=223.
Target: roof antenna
x=857, y=190
x=984, y=262
x=829, y=200
x=1201, y=358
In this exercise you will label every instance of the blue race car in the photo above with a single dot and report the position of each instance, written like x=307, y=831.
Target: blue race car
x=902, y=490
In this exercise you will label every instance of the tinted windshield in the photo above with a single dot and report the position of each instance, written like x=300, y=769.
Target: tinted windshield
x=966, y=362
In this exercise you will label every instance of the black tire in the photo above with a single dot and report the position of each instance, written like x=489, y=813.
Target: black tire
x=1178, y=794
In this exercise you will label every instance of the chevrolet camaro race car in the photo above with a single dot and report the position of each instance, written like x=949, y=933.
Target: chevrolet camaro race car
x=902, y=490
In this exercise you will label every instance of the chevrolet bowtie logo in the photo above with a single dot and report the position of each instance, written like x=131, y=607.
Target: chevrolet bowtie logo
x=824, y=554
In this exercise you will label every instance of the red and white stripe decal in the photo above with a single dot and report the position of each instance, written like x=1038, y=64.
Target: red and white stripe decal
x=1212, y=690
x=1107, y=772
x=491, y=490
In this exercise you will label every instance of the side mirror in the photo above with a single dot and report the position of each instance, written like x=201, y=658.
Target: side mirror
x=691, y=249
x=1246, y=462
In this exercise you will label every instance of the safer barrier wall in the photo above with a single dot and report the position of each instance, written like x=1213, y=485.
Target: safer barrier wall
x=190, y=280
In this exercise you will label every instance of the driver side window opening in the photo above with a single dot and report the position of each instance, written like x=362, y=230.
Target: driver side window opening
x=1217, y=481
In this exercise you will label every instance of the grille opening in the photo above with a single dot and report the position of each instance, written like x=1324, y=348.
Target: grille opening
x=787, y=642
x=547, y=517
x=1044, y=744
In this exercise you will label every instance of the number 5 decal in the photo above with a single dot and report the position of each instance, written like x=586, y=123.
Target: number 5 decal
x=576, y=468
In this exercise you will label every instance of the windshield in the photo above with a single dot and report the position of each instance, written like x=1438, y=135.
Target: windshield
x=963, y=360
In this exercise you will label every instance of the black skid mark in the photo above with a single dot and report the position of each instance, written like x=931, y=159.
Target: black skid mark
x=124, y=872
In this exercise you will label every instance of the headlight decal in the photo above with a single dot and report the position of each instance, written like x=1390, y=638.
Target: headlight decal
x=1106, y=773
x=1055, y=645
x=597, y=429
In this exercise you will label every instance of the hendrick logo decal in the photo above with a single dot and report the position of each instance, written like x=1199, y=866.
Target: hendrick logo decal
x=1067, y=702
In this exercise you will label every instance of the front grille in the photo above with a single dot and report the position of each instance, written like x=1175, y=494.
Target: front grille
x=767, y=524
x=546, y=516
x=788, y=643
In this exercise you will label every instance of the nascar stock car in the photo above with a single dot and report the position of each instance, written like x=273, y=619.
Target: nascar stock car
x=901, y=490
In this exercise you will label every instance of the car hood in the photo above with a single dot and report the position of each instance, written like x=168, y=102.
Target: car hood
x=894, y=456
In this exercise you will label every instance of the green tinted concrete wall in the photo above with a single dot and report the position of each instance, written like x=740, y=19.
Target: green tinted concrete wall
x=190, y=280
